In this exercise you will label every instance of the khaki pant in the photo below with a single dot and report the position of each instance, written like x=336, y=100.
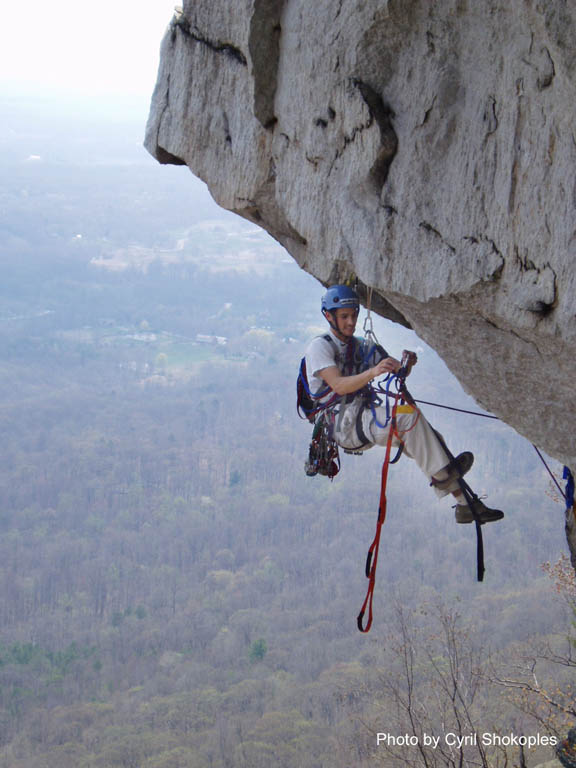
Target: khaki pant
x=420, y=441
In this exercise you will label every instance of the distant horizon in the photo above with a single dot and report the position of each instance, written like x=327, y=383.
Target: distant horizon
x=103, y=105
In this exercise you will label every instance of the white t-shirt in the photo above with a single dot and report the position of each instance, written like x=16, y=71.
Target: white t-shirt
x=320, y=354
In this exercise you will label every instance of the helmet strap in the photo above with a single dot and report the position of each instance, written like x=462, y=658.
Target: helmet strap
x=333, y=325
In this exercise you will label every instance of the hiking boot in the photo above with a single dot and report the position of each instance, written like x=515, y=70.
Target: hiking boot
x=463, y=513
x=457, y=468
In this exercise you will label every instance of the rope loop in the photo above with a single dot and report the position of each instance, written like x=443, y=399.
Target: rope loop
x=372, y=557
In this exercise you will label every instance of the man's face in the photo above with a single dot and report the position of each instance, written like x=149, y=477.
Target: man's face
x=345, y=320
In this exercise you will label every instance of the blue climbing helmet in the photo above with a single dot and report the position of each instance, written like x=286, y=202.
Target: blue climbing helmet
x=338, y=296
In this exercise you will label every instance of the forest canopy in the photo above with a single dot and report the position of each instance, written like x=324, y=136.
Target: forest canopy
x=175, y=590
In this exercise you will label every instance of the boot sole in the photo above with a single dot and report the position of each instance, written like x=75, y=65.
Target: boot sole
x=493, y=518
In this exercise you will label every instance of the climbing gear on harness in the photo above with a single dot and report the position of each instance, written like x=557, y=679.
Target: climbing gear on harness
x=464, y=514
x=457, y=468
x=349, y=431
x=323, y=456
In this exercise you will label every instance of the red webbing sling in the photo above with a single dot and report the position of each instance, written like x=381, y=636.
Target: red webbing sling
x=372, y=557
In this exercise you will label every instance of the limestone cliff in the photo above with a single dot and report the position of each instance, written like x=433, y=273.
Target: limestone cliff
x=427, y=149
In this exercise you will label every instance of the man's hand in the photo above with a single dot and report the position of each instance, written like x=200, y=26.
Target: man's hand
x=345, y=385
x=388, y=365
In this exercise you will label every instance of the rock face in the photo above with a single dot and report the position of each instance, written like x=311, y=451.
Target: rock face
x=425, y=149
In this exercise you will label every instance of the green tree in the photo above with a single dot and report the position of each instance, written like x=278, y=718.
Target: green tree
x=258, y=650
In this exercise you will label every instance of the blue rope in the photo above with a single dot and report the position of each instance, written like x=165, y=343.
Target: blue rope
x=369, y=353
x=568, y=476
x=307, y=388
x=375, y=400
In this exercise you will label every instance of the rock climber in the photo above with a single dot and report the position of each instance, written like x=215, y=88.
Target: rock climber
x=335, y=365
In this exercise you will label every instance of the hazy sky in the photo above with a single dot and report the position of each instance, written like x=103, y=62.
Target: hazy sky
x=107, y=47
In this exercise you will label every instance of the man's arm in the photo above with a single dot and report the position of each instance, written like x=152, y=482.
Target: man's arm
x=346, y=385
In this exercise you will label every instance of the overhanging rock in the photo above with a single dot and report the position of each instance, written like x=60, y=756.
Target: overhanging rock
x=426, y=149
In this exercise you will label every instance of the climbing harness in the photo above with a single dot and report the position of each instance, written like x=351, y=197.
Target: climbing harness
x=319, y=409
